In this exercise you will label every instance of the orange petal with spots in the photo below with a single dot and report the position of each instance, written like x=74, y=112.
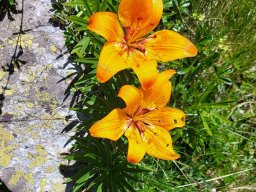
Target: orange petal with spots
x=112, y=60
x=159, y=95
x=168, y=45
x=156, y=15
x=139, y=17
x=111, y=127
x=136, y=146
x=167, y=117
x=160, y=143
x=106, y=24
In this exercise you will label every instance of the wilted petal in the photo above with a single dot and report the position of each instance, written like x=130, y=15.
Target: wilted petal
x=168, y=45
x=106, y=24
x=111, y=127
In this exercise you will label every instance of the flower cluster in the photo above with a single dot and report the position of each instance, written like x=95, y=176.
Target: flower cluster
x=145, y=120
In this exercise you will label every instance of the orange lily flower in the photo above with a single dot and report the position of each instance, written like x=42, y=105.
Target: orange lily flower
x=145, y=120
x=130, y=49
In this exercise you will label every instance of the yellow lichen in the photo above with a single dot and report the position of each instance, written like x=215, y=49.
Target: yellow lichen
x=53, y=48
x=5, y=159
x=29, y=155
x=10, y=91
x=43, y=97
x=46, y=119
x=39, y=160
x=3, y=74
x=15, y=178
x=5, y=136
x=58, y=187
x=25, y=40
x=30, y=105
x=49, y=66
x=34, y=135
x=42, y=185
x=29, y=178
x=1, y=46
x=50, y=169
x=18, y=175
x=5, y=148
x=40, y=150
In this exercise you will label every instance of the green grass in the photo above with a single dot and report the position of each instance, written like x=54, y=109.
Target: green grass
x=216, y=89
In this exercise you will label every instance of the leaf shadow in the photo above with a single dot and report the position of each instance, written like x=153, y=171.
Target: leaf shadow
x=16, y=61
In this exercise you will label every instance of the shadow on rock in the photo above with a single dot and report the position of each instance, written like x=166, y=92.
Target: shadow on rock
x=3, y=187
x=8, y=7
x=15, y=62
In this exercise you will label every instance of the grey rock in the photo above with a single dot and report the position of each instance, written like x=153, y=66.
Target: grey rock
x=32, y=111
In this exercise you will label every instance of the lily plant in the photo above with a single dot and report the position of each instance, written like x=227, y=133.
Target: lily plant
x=145, y=120
x=128, y=45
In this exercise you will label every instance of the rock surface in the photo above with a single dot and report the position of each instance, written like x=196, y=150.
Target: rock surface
x=32, y=108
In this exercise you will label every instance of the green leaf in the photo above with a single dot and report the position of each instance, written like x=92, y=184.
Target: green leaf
x=203, y=114
x=78, y=20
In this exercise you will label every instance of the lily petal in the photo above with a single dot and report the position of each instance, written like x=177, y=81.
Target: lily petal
x=139, y=17
x=132, y=97
x=106, y=24
x=160, y=144
x=159, y=95
x=167, y=117
x=136, y=147
x=111, y=127
x=156, y=15
x=168, y=45
x=144, y=68
x=112, y=60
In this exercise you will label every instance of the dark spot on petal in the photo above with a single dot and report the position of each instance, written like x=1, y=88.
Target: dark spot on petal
x=167, y=145
x=182, y=119
x=139, y=18
x=152, y=24
x=160, y=121
x=146, y=123
x=175, y=121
